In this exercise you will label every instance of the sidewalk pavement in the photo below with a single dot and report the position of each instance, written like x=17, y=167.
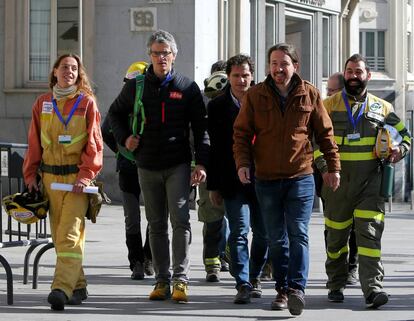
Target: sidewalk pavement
x=114, y=296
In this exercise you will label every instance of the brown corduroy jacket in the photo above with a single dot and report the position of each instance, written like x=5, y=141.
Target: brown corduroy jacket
x=282, y=145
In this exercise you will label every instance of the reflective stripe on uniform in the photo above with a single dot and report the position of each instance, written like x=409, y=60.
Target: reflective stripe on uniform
x=338, y=225
x=365, y=251
x=45, y=138
x=378, y=216
x=399, y=126
x=363, y=141
x=71, y=255
x=335, y=255
x=76, y=139
x=317, y=153
x=356, y=156
x=212, y=261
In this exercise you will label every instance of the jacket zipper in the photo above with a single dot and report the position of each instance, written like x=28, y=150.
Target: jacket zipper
x=163, y=112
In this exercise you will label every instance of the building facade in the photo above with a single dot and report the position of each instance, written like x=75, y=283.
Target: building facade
x=109, y=35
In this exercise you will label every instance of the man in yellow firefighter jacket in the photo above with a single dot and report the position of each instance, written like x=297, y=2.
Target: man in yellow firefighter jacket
x=66, y=146
x=358, y=117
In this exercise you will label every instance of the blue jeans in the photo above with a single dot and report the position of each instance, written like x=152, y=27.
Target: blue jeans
x=239, y=210
x=286, y=205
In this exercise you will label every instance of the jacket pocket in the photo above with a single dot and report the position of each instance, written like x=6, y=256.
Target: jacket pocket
x=265, y=118
x=302, y=115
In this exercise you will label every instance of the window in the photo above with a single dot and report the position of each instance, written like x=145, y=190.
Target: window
x=36, y=32
x=372, y=46
x=326, y=47
x=270, y=25
x=53, y=30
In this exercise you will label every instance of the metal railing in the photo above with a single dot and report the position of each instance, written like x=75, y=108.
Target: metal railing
x=13, y=233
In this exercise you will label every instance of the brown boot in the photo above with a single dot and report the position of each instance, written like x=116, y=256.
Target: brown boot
x=281, y=300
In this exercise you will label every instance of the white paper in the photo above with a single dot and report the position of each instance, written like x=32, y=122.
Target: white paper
x=68, y=188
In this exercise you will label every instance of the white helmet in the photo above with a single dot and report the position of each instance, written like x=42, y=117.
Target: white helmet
x=215, y=83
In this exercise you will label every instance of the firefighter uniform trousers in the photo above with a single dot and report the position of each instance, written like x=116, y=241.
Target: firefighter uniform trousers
x=67, y=223
x=357, y=199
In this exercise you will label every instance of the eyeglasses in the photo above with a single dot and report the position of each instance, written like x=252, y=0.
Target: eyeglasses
x=162, y=54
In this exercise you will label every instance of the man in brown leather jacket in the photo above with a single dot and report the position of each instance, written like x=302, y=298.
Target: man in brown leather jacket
x=282, y=115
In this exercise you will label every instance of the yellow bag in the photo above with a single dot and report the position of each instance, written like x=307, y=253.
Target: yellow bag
x=383, y=143
x=26, y=207
x=95, y=201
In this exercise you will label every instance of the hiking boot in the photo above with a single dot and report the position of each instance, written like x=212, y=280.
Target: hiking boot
x=266, y=272
x=225, y=267
x=376, y=299
x=57, y=299
x=138, y=271
x=336, y=296
x=256, y=291
x=352, y=278
x=212, y=276
x=78, y=296
x=148, y=267
x=243, y=294
x=296, y=301
x=161, y=291
x=281, y=300
x=180, y=291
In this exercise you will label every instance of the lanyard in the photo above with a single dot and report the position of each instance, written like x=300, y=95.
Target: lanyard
x=353, y=121
x=55, y=107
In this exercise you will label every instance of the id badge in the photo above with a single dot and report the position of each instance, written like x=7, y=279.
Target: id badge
x=65, y=139
x=355, y=137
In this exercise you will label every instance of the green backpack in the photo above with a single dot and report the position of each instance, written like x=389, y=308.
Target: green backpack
x=133, y=118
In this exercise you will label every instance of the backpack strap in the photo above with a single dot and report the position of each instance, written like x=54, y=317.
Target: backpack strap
x=138, y=108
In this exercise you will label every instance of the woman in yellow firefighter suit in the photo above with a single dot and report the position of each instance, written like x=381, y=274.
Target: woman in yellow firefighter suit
x=65, y=146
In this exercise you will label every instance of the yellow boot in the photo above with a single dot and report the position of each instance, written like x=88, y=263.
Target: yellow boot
x=180, y=291
x=160, y=292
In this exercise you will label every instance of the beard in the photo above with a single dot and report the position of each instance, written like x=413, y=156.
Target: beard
x=355, y=89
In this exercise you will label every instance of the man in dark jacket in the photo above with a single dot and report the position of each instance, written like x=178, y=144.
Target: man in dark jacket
x=239, y=200
x=171, y=103
x=139, y=257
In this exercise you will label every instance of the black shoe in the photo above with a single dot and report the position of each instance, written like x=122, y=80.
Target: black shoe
x=225, y=267
x=266, y=272
x=352, y=278
x=78, y=296
x=138, y=271
x=335, y=296
x=376, y=299
x=148, y=267
x=296, y=301
x=256, y=291
x=212, y=276
x=57, y=299
x=243, y=294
